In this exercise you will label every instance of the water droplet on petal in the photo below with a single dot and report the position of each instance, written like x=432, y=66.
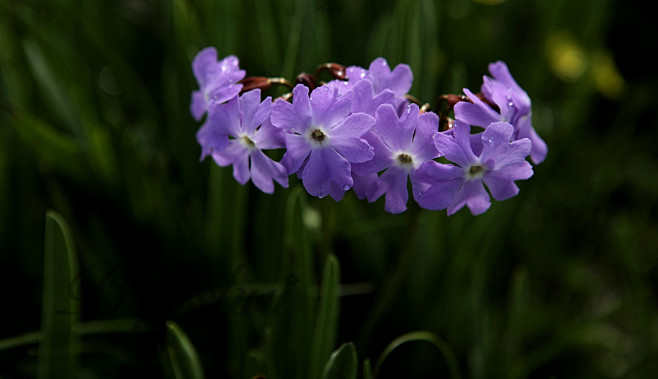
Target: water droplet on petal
x=363, y=75
x=322, y=195
x=345, y=188
x=491, y=140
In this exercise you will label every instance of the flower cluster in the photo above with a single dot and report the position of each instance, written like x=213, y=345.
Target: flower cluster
x=360, y=131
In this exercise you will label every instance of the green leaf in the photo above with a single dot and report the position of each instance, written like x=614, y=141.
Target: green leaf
x=324, y=337
x=367, y=369
x=342, y=364
x=294, y=35
x=22, y=340
x=51, y=85
x=60, y=307
x=185, y=361
x=422, y=335
x=52, y=147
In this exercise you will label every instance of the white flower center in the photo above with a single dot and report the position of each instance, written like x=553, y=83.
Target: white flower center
x=475, y=171
x=247, y=142
x=403, y=160
x=317, y=136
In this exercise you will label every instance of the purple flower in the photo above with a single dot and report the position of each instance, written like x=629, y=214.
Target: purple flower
x=354, y=75
x=217, y=81
x=402, y=144
x=323, y=138
x=500, y=163
x=382, y=78
x=514, y=107
x=246, y=121
x=399, y=80
x=366, y=100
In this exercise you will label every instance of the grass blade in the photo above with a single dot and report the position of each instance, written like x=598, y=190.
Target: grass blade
x=422, y=335
x=342, y=364
x=185, y=361
x=327, y=320
x=367, y=369
x=57, y=357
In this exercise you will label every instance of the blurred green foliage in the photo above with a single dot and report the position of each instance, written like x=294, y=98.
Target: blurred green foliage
x=560, y=281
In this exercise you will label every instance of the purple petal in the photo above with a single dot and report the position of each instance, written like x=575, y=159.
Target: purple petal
x=269, y=137
x=198, y=105
x=353, y=149
x=227, y=117
x=253, y=113
x=339, y=168
x=229, y=68
x=355, y=73
x=501, y=189
x=342, y=86
x=520, y=171
x=297, y=149
x=539, y=148
x=223, y=94
x=423, y=147
x=336, y=192
x=443, y=181
x=233, y=151
x=315, y=175
x=495, y=140
x=458, y=148
x=503, y=98
x=211, y=138
x=396, y=133
x=241, y=167
x=354, y=126
x=323, y=166
x=365, y=101
x=381, y=159
x=205, y=66
x=433, y=172
x=501, y=73
x=477, y=113
x=401, y=79
x=302, y=105
x=362, y=182
x=474, y=196
x=263, y=170
x=295, y=117
x=501, y=182
x=393, y=183
x=283, y=116
x=378, y=73
x=328, y=109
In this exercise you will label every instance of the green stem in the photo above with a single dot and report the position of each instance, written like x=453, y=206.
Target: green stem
x=391, y=288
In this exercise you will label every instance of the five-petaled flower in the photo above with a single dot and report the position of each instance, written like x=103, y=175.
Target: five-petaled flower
x=246, y=121
x=402, y=144
x=323, y=139
x=498, y=164
x=513, y=104
x=217, y=81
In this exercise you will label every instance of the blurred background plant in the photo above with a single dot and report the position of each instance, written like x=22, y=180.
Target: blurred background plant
x=169, y=268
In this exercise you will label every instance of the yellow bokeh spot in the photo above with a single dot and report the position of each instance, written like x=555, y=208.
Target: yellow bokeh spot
x=488, y=2
x=566, y=57
x=606, y=77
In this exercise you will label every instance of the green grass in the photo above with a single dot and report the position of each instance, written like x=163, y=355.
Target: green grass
x=95, y=133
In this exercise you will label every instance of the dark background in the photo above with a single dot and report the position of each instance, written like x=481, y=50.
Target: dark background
x=558, y=282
